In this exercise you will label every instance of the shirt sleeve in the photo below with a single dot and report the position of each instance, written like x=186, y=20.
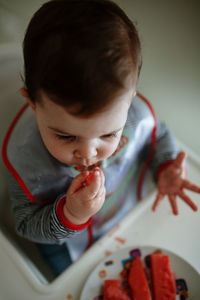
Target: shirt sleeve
x=41, y=223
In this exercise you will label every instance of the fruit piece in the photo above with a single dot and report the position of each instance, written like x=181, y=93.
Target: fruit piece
x=89, y=178
x=112, y=291
x=163, y=280
x=138, y=281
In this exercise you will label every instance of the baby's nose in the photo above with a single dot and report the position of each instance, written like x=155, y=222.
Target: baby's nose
x=86, y=152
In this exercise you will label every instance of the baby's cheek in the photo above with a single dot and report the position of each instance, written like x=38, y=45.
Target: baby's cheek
x=61, y=154
x=110, y=149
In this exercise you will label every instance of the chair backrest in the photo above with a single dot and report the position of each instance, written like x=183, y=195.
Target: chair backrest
x=11, y=69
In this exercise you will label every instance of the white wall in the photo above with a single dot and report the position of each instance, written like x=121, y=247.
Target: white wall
x=170, y=78
x=169, y=32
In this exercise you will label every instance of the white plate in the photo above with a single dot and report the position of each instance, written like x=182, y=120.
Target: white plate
x=111, y=266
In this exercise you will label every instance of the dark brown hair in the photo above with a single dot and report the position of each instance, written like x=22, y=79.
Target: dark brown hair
x=80, y=53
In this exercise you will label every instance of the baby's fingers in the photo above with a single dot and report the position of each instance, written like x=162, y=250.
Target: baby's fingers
x=92, y=190
x=159, y=197
x=173, y=202
x=76, y=184
x=180, y=158
x=102, y=178
x=190, y=186
x=187, y=200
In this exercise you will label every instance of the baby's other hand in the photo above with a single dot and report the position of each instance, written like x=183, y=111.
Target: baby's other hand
x=85, y=197
x=172, y=184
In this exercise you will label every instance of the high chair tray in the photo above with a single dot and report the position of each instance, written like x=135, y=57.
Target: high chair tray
x=140, y=228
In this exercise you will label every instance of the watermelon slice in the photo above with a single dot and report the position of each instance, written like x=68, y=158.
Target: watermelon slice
x=138, y=281
x=113, y=291
x=89, y=178
x=163, y=280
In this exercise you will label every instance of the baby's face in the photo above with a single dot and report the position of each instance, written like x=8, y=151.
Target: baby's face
x=78, y=141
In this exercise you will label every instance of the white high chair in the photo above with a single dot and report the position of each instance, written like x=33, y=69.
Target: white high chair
x=11, y=69
x=23, y=273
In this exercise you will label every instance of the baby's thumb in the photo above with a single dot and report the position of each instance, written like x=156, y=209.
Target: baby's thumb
x=77, y=183
x=180, y=158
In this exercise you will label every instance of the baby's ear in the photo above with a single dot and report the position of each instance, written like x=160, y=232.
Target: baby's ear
x=25, y=94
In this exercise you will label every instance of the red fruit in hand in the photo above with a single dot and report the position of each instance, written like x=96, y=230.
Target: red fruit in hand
x=88, y=179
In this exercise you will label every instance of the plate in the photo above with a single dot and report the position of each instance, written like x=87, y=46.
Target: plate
x=187, y=278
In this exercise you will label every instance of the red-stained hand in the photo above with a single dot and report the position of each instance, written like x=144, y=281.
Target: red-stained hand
x=171, y=183
x=88, y=179
x=85, y=196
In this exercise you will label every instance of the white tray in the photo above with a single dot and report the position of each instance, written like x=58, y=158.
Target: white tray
x=141, y=227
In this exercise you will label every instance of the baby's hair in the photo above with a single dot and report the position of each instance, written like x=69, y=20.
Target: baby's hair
x=80, y=53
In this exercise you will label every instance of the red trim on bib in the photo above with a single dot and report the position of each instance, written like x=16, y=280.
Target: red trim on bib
x=90, y=236
x=153, y=147
x=63, y=220
x=7, y=162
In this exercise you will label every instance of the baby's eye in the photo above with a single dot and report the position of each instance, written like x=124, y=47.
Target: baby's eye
x=68, y=138
x=110, y=135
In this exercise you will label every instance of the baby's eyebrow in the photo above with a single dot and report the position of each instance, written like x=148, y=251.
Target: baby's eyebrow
x=58, y=130
x=114, y=131
x=66, y=133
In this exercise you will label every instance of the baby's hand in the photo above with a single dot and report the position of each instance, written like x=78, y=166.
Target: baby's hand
x=85, y=196
x=172, y=184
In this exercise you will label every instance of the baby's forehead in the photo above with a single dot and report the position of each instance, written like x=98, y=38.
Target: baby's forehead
x=83, y=110
x=62, y=121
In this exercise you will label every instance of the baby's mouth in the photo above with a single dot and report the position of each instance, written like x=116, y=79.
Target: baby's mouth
x=88, y=168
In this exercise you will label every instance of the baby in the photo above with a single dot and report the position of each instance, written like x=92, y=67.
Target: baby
x=83, y=117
